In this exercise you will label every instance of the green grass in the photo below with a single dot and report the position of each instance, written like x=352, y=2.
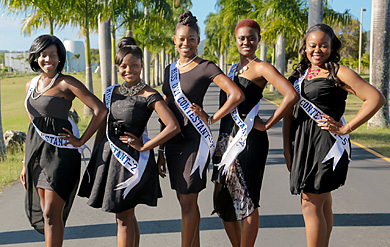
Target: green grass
x=377, y=139
x=10, y=167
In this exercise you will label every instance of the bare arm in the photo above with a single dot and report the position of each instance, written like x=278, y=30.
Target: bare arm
x=287, y=120
x=236, y=96
x=171, y=129
x=89, y=99
x=290, y=95
x=372, y=99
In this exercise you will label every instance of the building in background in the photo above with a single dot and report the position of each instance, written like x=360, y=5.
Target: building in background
x=75, y=56
x=17, y=61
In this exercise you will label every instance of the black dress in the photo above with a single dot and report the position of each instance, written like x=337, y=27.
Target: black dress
x=310, y=143
x=61, y=166
x=241, y=185
x=182, y=149
x=104, y=172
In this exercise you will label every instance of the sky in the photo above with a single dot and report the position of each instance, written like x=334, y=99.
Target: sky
x=12, y=40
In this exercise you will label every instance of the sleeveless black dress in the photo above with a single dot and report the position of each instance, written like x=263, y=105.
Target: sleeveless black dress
x=182, y=149
x=104, y=172
x=310, y=144
x=241, y=185
x=61, y=166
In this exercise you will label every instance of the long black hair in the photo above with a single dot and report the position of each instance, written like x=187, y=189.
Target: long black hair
x=331, y=64
x=40, y=44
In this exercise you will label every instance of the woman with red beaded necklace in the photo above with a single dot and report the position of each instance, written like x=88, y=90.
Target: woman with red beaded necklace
x=315, y=131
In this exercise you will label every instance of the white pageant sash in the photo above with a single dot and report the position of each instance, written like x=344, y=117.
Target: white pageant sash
x=136, y=168
x=206, y=145
x=342, y=142
x=54, y=140
x=238, y=143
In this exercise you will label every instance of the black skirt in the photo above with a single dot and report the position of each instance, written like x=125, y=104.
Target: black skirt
x=61, y=166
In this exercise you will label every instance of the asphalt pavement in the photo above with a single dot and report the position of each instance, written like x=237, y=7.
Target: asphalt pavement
x=361, y=207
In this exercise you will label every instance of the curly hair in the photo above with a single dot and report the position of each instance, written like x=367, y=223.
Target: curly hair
x=331, y=64
x=187, y=19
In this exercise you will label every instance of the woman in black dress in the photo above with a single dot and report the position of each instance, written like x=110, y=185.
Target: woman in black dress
x=52, y=162
x=238, y=181
x=122, y=172
x=187, y=154
x=316, y=140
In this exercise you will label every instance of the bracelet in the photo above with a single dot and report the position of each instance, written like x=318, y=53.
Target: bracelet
x=349, y=127
x=161, y=150
x=209, y=120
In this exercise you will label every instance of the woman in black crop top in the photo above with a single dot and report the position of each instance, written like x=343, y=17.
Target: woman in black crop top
x=310, y=135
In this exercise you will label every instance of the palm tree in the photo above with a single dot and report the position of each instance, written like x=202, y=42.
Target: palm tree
x=315, y=12
x=84, y=13
x=2, y=143
x=380, y=58
x=105, y=53
x=39, y=13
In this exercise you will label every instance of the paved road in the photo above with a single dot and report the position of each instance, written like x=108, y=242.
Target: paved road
x=361, y=208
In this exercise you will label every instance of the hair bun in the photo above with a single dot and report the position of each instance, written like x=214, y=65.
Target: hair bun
x=187, y=19
x=127, y=42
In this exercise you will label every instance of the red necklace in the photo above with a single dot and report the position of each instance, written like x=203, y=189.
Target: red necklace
x=313, y=73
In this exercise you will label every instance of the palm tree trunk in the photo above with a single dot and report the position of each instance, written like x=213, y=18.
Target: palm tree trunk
x=162, y=67
x=105, y=53
x=2, y=143
x=114, y=74
x=221, y=61
x=280, y=53
x=263, y=51
x=156, y=70
x=380, y=59
x=147, y=66
x=88, y=69
x=315, y=12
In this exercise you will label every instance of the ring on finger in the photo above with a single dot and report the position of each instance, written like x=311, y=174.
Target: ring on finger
x=68, y=136
x=129, y=140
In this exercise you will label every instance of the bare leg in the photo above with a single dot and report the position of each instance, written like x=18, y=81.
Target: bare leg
x=329, y=219
x=126, y=236
x=233, y=230
x=315, y=222
x=250, y=228
x=52, y=207
x=137, y=233
x=190, y=219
